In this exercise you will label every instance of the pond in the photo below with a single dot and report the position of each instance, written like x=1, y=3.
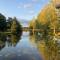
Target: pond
x=28, y=47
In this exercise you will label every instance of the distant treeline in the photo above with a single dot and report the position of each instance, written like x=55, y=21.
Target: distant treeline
x=11, y=25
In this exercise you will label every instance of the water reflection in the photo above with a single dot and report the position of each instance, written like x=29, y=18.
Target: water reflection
x=16, y=49
x=2, y=41
x=9, y=40
x=12, y=40
x=34, y=47
x=48, y=46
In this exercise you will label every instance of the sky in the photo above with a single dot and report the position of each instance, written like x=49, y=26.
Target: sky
x=22, y=9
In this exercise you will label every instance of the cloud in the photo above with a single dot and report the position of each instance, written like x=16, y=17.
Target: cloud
x=26, y=5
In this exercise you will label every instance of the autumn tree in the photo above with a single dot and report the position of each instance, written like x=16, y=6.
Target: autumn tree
x=48, y=17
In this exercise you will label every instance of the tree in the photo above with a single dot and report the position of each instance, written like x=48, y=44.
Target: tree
x=32, y=26
x=2, y=22
x=16, y=27
x=48, y=14
x=48, y=17
x=9, y=23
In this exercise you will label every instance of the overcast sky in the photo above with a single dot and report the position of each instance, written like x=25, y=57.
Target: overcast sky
x=23, y=9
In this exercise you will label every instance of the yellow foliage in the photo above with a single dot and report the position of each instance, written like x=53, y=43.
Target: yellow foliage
x=48, y=13
x=56, y=2
x=32, y=23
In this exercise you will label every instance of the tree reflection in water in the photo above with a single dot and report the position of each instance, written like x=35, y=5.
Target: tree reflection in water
x=2, y=41
x=10, y=40
x=47, y=47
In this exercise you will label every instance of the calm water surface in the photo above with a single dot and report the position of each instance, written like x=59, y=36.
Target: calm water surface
x=24, y=48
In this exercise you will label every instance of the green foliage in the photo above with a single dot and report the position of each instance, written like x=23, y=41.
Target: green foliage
x=2, y=22
x=16, y=27
x=9, y=22
x=10, y=25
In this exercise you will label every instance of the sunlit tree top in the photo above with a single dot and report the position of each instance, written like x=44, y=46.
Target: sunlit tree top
x=56, y=2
